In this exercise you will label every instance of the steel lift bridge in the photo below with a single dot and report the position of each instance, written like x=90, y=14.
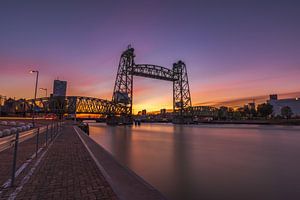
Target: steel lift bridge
x=123, y=89
x=119, y=109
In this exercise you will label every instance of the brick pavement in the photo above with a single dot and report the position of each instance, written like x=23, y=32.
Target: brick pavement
x=67, y=172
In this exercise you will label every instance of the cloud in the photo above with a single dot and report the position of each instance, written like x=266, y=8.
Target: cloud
x=244, y=100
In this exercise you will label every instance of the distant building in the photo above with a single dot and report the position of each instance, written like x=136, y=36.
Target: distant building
x=251, y=106
x=9, y=106
x=59, y=88
x=163, y=111
x=278, y=104
x=144, y=112
x=273, y=96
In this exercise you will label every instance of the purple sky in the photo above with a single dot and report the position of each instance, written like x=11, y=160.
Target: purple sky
x=233, y=49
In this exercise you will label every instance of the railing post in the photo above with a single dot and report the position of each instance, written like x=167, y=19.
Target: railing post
x=37, y=142
x=47, y=135
x=51, y=131
x=14, y=160
x=54, y=130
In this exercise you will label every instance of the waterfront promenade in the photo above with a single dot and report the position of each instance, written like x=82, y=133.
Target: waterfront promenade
x=70, y=169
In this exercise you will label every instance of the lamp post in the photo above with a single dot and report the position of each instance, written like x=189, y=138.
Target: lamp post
x=45, y=89
x=35, y=91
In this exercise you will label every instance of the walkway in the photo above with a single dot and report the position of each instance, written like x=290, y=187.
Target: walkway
x=65, y=171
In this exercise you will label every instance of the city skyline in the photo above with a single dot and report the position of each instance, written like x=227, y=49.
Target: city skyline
x=233, y=50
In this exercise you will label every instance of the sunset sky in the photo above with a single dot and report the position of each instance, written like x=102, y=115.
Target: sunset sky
x=240, y=49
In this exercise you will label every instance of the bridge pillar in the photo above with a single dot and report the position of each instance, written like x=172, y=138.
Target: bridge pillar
x=124, y=85
x=181, y=95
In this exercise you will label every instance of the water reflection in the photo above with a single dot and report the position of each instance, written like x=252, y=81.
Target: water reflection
x=209, y=162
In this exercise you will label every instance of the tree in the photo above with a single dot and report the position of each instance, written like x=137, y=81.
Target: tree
x=286, y=112
x=246, y=110
x=264, y=110
x=253, y=113
x=249, y=112
x=237, y=115
x=223, y=113
x=230, y=113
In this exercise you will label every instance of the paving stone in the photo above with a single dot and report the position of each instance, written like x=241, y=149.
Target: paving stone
x=67, y=172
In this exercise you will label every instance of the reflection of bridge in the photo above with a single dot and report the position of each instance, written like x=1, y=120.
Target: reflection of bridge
x=119, y=110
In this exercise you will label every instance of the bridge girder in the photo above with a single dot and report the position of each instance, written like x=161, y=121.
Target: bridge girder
x=153, y=71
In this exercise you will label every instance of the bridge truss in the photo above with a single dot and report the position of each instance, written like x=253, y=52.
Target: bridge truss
x=68, y=105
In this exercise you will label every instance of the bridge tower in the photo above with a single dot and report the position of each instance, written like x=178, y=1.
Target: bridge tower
x=182, y=103
x=123, y=87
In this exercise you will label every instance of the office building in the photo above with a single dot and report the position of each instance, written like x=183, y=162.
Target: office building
x=59, y=88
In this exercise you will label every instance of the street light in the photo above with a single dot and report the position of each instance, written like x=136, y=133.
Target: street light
x=35, y=91
x=45, y=89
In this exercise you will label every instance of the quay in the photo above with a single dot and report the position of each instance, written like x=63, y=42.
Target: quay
x=71, y=166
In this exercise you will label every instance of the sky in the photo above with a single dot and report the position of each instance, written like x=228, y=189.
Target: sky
x=233, y=50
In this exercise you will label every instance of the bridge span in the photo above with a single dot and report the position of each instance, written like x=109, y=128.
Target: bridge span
x=88, y=105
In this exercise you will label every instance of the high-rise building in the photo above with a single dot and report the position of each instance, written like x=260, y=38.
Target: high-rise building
x=59, y=88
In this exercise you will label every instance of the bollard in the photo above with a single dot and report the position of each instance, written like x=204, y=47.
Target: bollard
x=47, y=135
x=14, y=160
x=37, y=142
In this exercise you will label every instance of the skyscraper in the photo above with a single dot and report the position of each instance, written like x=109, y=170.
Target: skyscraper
x=59, y=88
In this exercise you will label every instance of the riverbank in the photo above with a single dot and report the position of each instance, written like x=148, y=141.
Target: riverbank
x=292, y=122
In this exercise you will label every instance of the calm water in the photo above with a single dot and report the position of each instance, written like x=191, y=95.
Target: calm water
x=209, y=161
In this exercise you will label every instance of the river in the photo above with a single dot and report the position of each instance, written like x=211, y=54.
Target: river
x=209, y=162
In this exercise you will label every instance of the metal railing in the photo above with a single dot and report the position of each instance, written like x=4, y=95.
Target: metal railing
x=50, y=132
